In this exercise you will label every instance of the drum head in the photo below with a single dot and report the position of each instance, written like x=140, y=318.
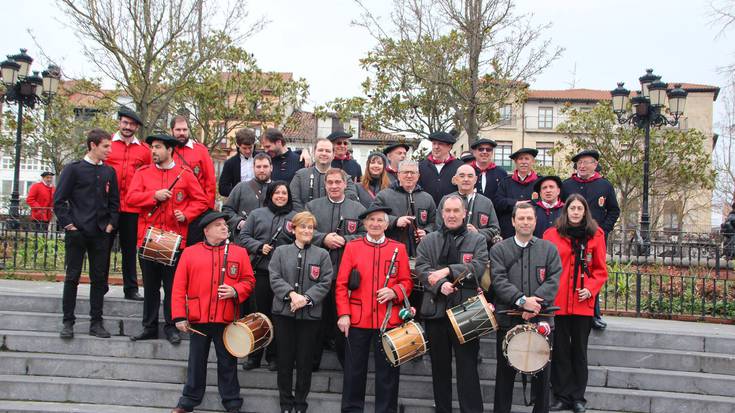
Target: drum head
x=238, y=339
x=388, y=349
x=528, y=351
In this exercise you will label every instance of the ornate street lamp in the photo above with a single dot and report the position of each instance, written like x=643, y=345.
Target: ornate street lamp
x=648, y=110
x=25, y=90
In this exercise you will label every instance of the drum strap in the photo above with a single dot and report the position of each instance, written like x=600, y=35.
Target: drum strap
x=406, y=304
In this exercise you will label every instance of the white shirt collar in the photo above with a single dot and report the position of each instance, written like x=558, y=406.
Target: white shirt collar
x=189, y=143
x=519, y=243
x=337, y=202
x=374, y=241
x=548, y=206
x=170, y=166
x=118, y=137
x=89, y=160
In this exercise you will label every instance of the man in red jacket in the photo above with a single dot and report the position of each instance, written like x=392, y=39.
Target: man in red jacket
x=194, y=305
x=128, y=154
x=168, y=197
x=362, y=308
x=194, y=156
x=41, y=200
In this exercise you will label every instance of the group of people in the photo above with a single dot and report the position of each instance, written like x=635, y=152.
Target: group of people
x=324, y=249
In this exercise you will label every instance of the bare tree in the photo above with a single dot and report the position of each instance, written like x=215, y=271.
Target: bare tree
x=724, y=153
x=152, y=48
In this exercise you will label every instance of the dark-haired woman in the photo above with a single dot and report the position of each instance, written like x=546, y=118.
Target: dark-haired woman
x=300, y=277
x=581, y=245
x=374, y=180
x=265, y=229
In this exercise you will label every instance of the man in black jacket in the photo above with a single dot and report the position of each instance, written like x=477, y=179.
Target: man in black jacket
x=438, y=169
x=238, y=168
x=342, y=157
x=87, y=203
x=516, y=188
x=285, y=161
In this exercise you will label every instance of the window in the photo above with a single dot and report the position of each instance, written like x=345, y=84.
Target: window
x=544, y=158
x=7, y=187
x=502, y=155
x=30, y=164
x=671, y=217
x=7, y=162
x=506, y=115
x=545, y=118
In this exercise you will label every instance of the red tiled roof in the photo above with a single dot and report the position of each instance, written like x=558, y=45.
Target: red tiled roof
x=587, y=95
x=301, y=125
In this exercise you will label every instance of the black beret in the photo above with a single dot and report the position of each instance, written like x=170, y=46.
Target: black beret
x=530, y=151
x=466, y=157
x=590, y=152
x=389, y=148
x=210, y=217
x=483, y=141
x=167, y=140
x=129, y=113
x=374, y=208
x=443, y=137
x=47, y=173
x=537, y=184
x=339, y=135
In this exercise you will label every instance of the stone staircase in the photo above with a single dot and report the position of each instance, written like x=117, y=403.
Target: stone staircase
x=637, y=365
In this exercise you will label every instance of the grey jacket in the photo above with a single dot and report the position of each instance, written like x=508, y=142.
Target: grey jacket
x=397, y=199
x=244, y=198
x=259, y=228
x=482, y=216
x=308, y=184
x=308, y=272
x=340, y=218
x=530, y=271
x=472, y=253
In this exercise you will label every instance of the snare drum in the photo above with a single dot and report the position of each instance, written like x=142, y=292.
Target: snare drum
x=160, y=246
x=248, y=334
x=404, y=343
x=526, y=350
x=472, y=319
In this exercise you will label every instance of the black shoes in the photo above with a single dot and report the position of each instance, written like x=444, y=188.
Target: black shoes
x=173, y=337
x=145, y=335
x=134, y=296
x=559, y=406
x=67, y=331
x=578, y=407
x=598, y=323
x=97, y=329
x=250, y=364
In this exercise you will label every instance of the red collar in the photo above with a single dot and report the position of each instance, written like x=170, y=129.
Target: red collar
x=483, y=170
x=438, y=162
x=531, y=178
x=592, y=178
x=557, y=205
x=390, y=169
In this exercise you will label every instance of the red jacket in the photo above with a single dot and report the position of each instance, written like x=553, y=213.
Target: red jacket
x=188, y=197
x=372, y=261
x=198, y=160
x=126, y=159
x=566, y=298
x=194, y=294
x=41, y=200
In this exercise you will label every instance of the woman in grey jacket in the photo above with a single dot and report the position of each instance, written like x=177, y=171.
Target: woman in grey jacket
x=300, y=276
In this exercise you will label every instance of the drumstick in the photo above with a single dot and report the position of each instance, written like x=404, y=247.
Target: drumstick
x=195, y=331
x=155, y=207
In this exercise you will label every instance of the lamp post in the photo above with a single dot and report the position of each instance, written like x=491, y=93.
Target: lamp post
x=649, y=108
x=26, y=90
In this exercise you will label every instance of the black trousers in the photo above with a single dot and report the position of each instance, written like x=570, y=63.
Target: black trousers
x=263, y=303
x=196, y=371
x=442, y=341
x=357, y=352
x=127, y=230
x=505, y=376
x=297, y=344
x=95, y=246
x=328, y=330
x=569, y=359
x=156, y=275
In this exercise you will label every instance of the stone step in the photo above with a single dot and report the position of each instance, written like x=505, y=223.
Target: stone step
x=14, y=406
x=329, y=380
x=162, y=395
x=606, y=356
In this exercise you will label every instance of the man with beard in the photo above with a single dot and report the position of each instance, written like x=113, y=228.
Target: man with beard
x=128, y=154
x=439, y=167
x=169, y=197
x=308, y=183
x=442, y=256
x=548, y=208
x=600, y=196
x=395, y=153
x=342, y=157
x=413, y=210
x=238, y=168
x=488, y=174
x=248, y=195
x=337, y=223
x=516, y=188
x=285, y=161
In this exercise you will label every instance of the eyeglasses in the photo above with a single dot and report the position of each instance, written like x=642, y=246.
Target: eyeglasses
x=408, y=172
x=586, y=162
x=484, y=149
x=341, y=143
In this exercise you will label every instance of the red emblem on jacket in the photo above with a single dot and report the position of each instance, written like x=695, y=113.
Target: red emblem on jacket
x=314, y=272
x=179, y=196
x=484, y=219
x=351, y=226
x=289, y=227
x=424, y=215
x=467, y=258
x=233, y=268
x=541, y=274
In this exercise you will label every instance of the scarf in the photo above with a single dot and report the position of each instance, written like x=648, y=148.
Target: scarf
x=435, y=161
x=278, y=210
x=578, y=235
x=483, y=170
x=531, y=178
x=592, y=178
x=450, y=252
x=556, y=205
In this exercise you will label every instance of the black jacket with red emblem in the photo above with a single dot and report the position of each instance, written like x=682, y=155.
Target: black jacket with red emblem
x=337, y=217
x=306, y=271
x=600, y=195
